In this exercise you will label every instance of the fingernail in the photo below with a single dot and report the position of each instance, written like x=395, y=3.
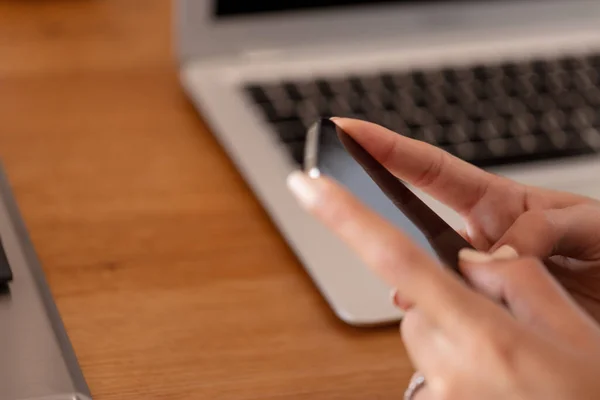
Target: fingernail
x=303, y=188
x=398, y=301
x=474, y=256
x=505, y=252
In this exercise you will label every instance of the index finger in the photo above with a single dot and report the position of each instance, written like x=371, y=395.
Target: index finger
x=447, y=178
x=390, y=253
x=451, y=180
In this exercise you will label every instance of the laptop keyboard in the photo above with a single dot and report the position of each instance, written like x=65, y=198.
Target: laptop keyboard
x=488, y=115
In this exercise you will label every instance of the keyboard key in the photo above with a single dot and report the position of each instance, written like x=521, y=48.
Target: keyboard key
x=258, y=94
x=465, y=150
x=559, y=138
x=539, y=103
x=491, y=129
x=498, y=146
x=570, y=100
x=459, y=133
x=528, y=143
x=592, y=97
x=591, y=136
x=583, y=118
x=292, y=91
x=553, y=121
x=309, y=90
x=290, y=131
x=574, y=63
x=521, y=125
x=325, y=88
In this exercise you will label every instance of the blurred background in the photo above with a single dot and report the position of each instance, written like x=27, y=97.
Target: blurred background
x=148, y=142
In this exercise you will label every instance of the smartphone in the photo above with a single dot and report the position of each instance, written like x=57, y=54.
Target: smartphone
x=332, y=152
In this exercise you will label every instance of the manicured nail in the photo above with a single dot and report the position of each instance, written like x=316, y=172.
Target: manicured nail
x=474, y=256
x=399, y=301
x=303, y=188
x=505, y=252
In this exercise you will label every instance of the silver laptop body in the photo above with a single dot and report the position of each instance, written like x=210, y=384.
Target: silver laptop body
x=220, y=54
x=37, y=361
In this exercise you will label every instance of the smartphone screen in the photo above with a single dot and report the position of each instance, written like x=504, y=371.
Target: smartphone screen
x=332, y=152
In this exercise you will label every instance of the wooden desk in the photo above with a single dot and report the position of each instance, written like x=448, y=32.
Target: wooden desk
x=171, y=280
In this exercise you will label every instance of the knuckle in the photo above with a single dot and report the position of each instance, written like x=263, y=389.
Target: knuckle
x=526, y=267
x=389, y=151
x=498, y=347
x=433, y=170
x=533, y=218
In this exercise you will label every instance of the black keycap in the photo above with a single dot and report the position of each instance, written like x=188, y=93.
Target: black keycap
x=539, y=103
x=341, y=86
x=450, y=74
x=512, y=70
x=464, y=150
x=592, y=96
x=459, y=132
x=573, y=63
x=594, y=60
x=480, y=72
x=491, y=128
x=540, y=67
x=591, y=138
x=521, y=125
x=582, y=118
x=292, y=91
x=269, y=112
x=357, y=85
x=388, y=81
x=373, y=84
x=257, y=94
x=570, y=100
x=419, y=78
x=290, y=131
x=308, y=89
x=325, y=88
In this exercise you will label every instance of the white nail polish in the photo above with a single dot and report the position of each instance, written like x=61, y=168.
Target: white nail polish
x=303, y=188
x=505, y=252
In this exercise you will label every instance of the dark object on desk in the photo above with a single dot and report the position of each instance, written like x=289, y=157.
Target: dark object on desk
x=36, y=358
x=333, y=152
x=5, y=271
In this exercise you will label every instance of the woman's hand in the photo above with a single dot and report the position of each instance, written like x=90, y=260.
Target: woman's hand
x=560, y=228
x=539, y=344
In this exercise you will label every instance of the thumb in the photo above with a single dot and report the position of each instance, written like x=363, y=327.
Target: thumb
x=529, y=291
x=570, y=232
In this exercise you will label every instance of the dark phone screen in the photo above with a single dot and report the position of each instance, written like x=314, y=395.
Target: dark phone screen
x=239, y=7
x=344, y=160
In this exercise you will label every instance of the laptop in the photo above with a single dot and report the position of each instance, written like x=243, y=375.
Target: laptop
x=37, y=361
x=511, y=86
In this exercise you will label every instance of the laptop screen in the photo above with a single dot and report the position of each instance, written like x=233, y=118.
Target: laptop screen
x=226, y=8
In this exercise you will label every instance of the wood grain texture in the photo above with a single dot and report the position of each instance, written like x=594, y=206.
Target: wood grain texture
x=154, y=247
